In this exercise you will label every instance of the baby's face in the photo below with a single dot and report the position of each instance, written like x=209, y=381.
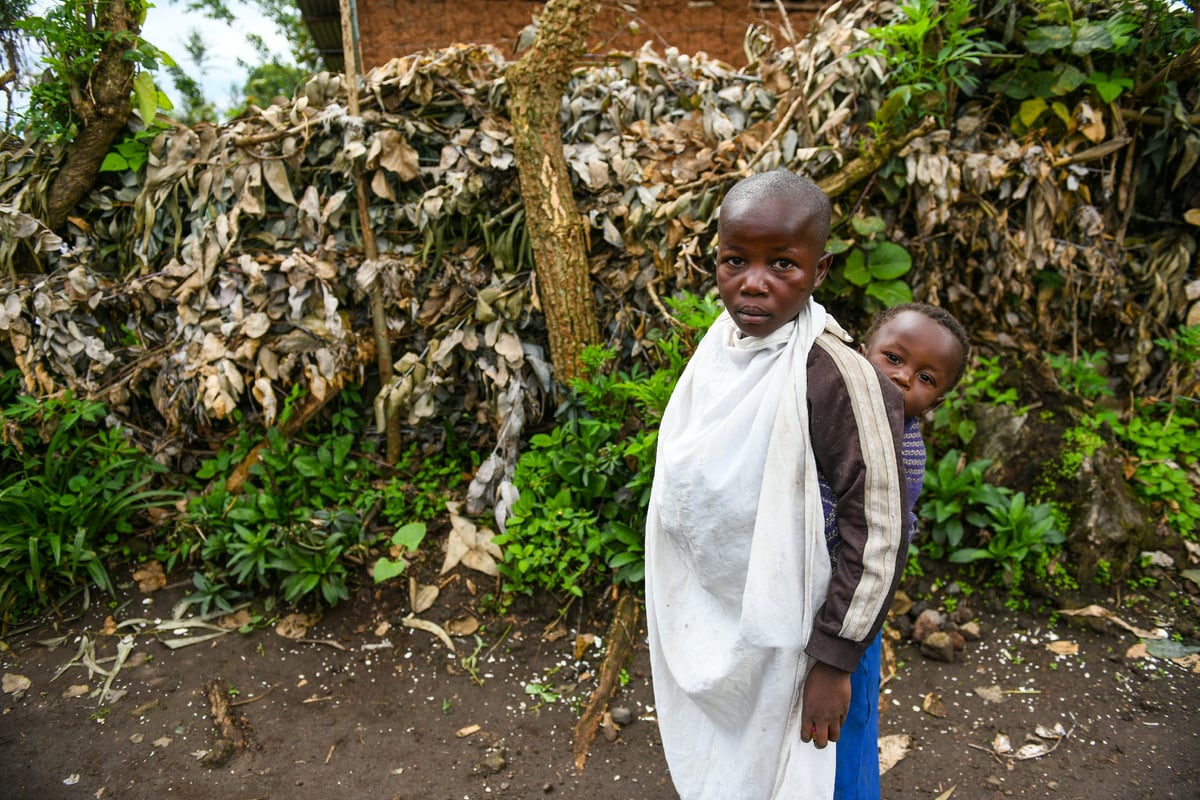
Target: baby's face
x=918, y=355
x=768, y=263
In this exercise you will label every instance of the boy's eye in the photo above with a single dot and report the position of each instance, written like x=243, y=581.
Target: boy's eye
x=927, y=379
x=781, y=266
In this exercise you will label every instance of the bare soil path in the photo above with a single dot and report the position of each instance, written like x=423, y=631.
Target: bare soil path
x=362, y=705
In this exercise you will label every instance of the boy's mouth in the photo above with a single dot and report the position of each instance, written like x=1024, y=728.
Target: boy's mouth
x=752, y=314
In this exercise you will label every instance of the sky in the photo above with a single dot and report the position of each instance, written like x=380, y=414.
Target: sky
x=168, y=25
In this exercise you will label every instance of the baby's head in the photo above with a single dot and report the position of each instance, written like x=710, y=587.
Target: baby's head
x=771, y=236
x=922, y=349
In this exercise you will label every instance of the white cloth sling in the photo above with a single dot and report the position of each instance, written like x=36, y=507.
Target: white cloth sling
x=737, y=567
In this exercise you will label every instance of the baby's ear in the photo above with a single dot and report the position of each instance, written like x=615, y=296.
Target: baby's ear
x=862, y=348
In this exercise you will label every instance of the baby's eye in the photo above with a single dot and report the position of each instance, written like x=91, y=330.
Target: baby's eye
x=892, y=358
x=927, y=379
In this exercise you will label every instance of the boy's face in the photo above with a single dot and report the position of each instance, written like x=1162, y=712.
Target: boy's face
x=768, y=263
x=918, y=355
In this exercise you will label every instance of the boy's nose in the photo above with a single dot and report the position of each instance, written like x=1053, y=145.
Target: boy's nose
x=754, y=281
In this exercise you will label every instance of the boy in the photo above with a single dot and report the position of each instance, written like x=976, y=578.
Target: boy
x=923, y=350
x=752, y=637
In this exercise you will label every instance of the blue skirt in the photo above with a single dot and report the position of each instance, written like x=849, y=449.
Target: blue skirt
x=858, y=745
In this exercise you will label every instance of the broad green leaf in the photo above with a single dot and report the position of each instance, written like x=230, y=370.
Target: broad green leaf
x=1067, y=79
x=1031, y=110
x=114, y=162
x=145, y=96
x=1047, y=38
x=1090, y=37
x=856, y=268
x=386, y=569
x=887, y=261
x=409, y=536
x=891, y=293
x=868, y=226
x=308, y=466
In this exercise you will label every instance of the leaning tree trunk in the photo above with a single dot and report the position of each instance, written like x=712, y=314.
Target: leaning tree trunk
x=103, y=106
x=536, y=84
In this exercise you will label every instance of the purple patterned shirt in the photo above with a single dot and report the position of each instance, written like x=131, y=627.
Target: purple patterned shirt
x=913, y=452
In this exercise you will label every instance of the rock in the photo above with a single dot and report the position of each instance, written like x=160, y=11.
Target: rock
x=492, y=763
x=901, y=604
x=957, y=640
x=929, y=621
x=938, y=646
x=621, y=715
x=962, y=615
x=903, y=626
x=970, y=631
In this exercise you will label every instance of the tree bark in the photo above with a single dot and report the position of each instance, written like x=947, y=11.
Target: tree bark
x=536, y=84
x=103, y=108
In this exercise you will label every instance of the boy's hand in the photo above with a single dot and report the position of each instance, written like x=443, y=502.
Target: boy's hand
x=826, y=702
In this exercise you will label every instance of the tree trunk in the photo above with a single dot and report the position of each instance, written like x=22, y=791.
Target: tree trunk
x=536, y=84
x=103, y=108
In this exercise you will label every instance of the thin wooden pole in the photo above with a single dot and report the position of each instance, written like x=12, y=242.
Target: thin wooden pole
x=383, y=345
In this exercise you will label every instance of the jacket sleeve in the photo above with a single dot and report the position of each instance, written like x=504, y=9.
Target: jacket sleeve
x=856, y=419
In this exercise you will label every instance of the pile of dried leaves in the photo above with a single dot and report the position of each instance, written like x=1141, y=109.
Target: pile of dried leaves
x=232, y=270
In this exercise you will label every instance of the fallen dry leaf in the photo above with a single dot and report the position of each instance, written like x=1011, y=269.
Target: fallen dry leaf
x=235, y=620
x=470, y=545
x=150, y=577
x=933, y=705
x=465, y=625
x=295, y=626
x=76, y=690
x=16, y=685
x=1063, y=647
x=582, y=643
x=1001, y=744
x=421, y=597
x=1103, y=613
x=554, y=631
x=462, y=733
x=892, y=749
x=431, y=627
x=1137, y=651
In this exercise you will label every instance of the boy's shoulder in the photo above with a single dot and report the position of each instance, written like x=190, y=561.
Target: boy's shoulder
x=833, y=358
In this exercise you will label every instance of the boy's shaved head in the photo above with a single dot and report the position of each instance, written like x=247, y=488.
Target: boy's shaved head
x=797, y=190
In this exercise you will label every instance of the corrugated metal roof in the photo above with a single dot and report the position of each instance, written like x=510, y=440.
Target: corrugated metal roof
x=324, y=22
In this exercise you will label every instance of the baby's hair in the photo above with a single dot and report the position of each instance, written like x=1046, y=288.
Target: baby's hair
x=797, y=189
x=936, y=313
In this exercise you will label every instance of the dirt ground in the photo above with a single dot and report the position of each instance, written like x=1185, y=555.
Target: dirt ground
x=362, y=705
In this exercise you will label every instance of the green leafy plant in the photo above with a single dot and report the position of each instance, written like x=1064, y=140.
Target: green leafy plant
x=297, y=519
x=872, y=264
x=952, y=486
x=1082, y=375
x=71, y=492
x=406, y=539
x=71, y=43
x=1012, y=529
x=585, y=485
x=952, y=424
x=930, y=53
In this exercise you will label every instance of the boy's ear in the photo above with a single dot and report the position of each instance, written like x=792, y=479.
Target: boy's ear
x=823, y=265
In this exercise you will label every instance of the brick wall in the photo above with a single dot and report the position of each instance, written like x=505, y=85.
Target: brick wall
x=392, y=28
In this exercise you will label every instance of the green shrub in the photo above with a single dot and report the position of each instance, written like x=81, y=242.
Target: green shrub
x=71, y=491
x=296, y=519
x=584, y=486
